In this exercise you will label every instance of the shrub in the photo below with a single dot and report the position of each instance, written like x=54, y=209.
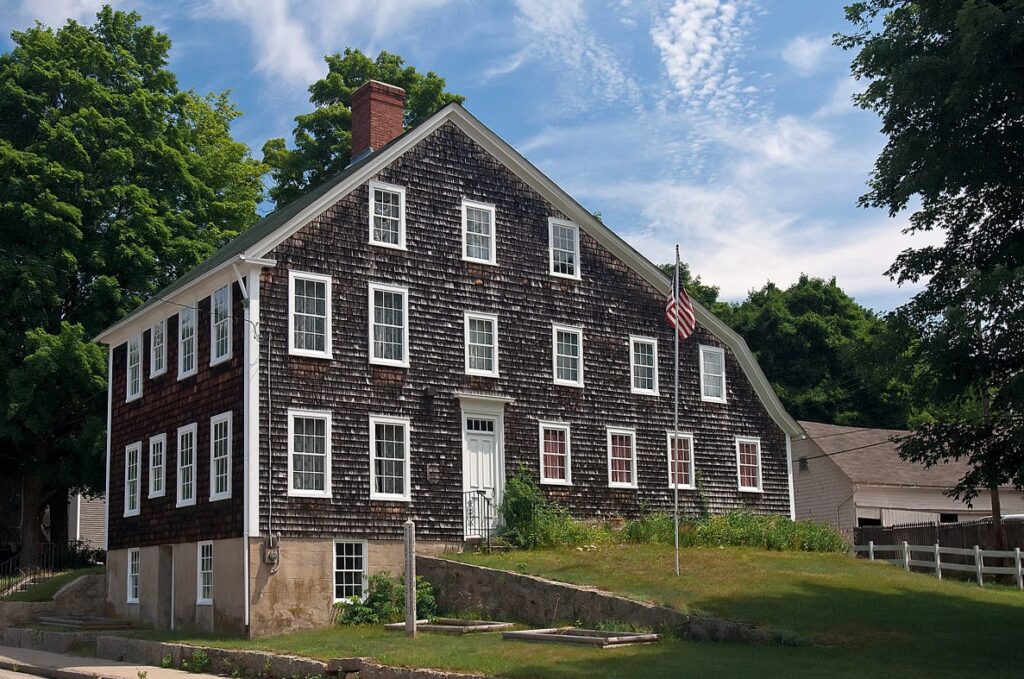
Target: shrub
x=199, y=663
x=532, y=522
x=385, y=602
x=739, y=529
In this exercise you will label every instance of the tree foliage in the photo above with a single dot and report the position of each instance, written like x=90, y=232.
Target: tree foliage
x=698, y=291
x=947, y=80
x=115, y=182
x=323, y=138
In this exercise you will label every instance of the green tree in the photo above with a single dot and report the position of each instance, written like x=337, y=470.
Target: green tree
x=323, y=139
x=699, y=291
x=946, y=79
x=115, y=182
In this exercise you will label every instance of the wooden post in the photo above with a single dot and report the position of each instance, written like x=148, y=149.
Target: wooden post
x=871, y=550
x=1017, y=565
x=938, y=562
x=978, y=564
x=906, y=556
x=410, y=578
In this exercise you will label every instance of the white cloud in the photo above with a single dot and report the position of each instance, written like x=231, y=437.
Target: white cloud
x=841, y=100
x=699, y=41
x=805, y=54
x=55, y=13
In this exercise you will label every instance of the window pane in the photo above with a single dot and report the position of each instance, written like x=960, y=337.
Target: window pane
x=748, y=464
x=555, y=455
x=349, y=569
x=478, y=233
x=309, y=315
x=622, y=458
x=643, y=366
x=681, y=460
x=389, y=458
x=309, y=453
x=481, y=344
x=387, y=216
x=388, y=325
x=563, y=249
x=567, y=356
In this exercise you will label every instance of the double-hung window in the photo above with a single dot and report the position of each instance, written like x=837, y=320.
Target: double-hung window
x=134, y=567
x=748, y=464
x=186, y=342
x=309, y=453
x=564, y=245
x=712, y=374
x=309, y=318
x=220, y=325
x=220, y=457
x=389, y=325
x=204, y=574
x=555, y=454
x=478, y=242
x=349, y=569
x=681, y=472
x=643, y=365
x=389, y=458
x=132, y=478
x=157, y=464
x=158, y=348
x=387, y=215
x=567, y=355
x=133, y=379
x=621, y=458
x=481, y=336
x=187, y=465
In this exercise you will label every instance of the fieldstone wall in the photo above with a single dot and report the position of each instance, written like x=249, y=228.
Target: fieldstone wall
x=44, y=640
x=501, y=595
x=84, y=596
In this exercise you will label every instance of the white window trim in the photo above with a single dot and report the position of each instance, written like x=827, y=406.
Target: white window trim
x=669, y=435
x=493, y=260
x=373, y=288
x=292, y=349
x=739, y=484
x=200, y=600
x=633, y=389
x=609, y=432
x=214, y=421
x=128, y=450
x=194, y=429
x=562, y=426
x=137, y=341
x=195, y=342
x=214, y=359
x=328, y=450
x=400, y=190
x=162, y=324
x=493, y=318
x=162, y=440
x=407, y=424
x=552, y=221
x=555, y=329
x=128, y=580
x=721, y=351
x=334, y=569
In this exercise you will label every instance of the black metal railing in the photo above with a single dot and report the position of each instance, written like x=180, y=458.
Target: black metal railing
x=478, y=508
x=51, y=559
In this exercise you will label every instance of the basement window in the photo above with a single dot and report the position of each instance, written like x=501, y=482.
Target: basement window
x=132, y=589
x=387, y=215
x=204, y=579
x=349, y=570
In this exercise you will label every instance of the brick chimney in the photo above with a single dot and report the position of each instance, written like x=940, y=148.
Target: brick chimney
x=378, y=116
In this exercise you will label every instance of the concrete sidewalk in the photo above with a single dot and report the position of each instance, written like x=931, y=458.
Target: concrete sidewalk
x=58, y=666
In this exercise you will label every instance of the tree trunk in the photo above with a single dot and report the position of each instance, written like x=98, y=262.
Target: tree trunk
x=997, y=518
x=31, y=519
x=59, y=516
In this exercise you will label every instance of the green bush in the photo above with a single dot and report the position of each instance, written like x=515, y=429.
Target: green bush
x=739, y=529
x=199, y=663
x=385, y=602
x=531, y=522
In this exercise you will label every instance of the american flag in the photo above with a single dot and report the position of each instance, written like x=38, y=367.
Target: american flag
x=679, y=310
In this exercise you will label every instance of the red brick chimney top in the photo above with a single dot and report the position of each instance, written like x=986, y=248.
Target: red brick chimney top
x=378, y=115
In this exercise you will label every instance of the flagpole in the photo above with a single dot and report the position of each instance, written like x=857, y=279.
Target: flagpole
x=674, y=448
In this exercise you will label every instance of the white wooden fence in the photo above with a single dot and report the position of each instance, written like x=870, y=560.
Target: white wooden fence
x=911, y=555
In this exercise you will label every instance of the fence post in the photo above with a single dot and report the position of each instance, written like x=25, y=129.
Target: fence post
x=871, y=550
x=410, y=577
x=938, y=562
x=978, y=564
x=906, y=556
x=1020, y=571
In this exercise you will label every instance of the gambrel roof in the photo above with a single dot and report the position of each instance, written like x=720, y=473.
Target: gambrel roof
x=256, y=242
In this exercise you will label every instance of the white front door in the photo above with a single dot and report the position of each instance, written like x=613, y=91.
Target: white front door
x=482, y=472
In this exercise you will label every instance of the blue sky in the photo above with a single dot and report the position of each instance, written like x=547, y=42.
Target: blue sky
x=722, y=125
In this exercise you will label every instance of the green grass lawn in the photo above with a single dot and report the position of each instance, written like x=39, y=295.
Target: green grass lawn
x=45, y=590
x=864, y=619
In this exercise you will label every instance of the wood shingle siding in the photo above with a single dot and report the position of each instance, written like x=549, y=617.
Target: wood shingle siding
x=167, y=404
x=610, y=303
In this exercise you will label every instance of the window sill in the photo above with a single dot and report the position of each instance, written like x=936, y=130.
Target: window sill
x=623, y=486
x=708, y=399
x=681, y=486
x=564, y=383
x=185, y=503
x=565, y=277
x=555, y=482
x=306, y=353
x=204, y=602
x=153, y=496
x=132, y=399
x=376, y=497
x=310, y=494
x=390, y=246
x=185, y=376
x=756, y=491
x=389, y=363
x=157, y=373
x=130, y=514
x=644, y=392
x=222, y=496
x=485, y=262
x=481, y=373
x=132, y=602
x=222, y=359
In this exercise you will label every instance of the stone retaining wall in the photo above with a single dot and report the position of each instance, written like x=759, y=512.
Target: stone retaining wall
x=82, y=596
x=43, y=640
x=501, y=595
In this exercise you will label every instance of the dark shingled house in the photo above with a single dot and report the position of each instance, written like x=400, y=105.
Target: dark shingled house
x=394, y=345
